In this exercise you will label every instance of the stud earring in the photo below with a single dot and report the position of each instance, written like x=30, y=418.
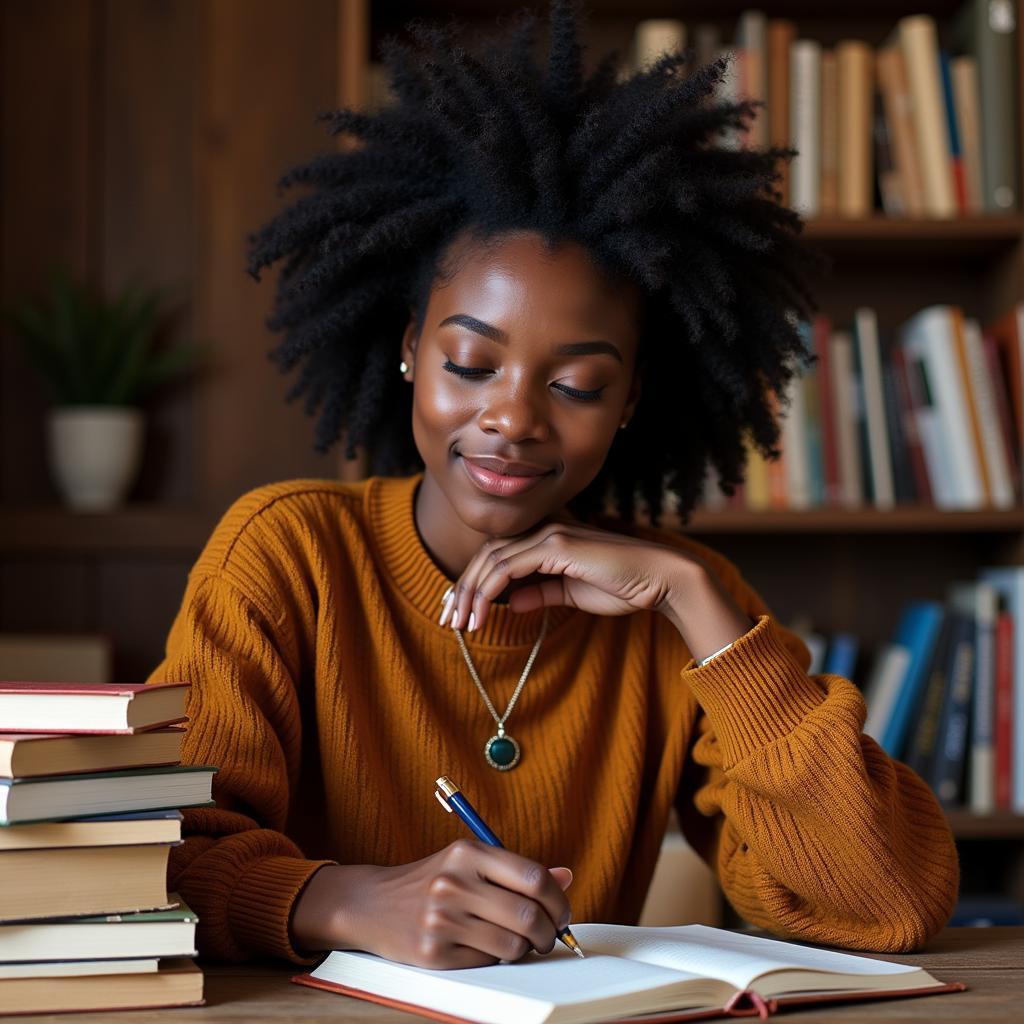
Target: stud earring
x=623, y=424
x=403, y=366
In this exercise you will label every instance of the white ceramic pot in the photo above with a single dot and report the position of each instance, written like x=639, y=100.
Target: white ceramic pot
x=94, y=453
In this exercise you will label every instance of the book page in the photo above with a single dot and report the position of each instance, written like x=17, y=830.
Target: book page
x=730, y=956
x=526, y=990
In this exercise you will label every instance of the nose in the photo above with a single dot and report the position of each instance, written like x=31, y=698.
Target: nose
x=514, y=413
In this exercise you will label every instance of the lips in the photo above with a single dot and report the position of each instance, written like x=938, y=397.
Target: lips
x=505, y=468
x=502, y=485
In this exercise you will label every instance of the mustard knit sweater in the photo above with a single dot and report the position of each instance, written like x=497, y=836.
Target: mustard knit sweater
x=331, y=699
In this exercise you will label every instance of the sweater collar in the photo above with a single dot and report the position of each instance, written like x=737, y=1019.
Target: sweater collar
x=418, y=579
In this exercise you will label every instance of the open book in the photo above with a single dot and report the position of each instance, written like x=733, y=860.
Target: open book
x=674, y=973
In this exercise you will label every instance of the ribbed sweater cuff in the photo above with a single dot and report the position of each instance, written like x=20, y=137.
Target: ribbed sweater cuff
x=261, y=905
x=753, y=693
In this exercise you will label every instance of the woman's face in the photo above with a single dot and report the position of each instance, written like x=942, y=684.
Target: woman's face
x=551, y=344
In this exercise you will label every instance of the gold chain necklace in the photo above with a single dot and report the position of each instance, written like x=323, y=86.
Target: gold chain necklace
x=501, y=750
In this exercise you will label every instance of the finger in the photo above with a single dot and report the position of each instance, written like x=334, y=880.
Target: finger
x=491, y=939
x=524, y=922
x=513, y=872
x=504, y=563
x=563, y=876
x=466, y=587
x=465, y=584
x=538, y=558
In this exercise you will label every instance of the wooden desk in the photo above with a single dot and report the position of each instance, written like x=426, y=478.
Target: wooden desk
x=989, y=960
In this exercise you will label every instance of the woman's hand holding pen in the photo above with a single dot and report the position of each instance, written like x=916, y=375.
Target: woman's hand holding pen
x=467, y=905
x=600, y=572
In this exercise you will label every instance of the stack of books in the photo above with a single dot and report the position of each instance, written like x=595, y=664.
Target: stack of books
x=931, y=413
x=934, y=128
x=90, y=783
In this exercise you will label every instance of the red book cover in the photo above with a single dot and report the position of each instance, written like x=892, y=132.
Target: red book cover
x=826, y=411
x=922, y=485
x=1004, y=709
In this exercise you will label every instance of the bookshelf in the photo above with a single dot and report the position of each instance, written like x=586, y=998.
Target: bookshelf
x=233, y=88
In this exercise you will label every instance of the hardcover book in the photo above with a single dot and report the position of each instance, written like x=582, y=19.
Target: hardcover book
x=88, y=707
x=678, y=973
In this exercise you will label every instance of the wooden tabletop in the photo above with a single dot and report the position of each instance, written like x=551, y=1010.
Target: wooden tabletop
x=990, y=961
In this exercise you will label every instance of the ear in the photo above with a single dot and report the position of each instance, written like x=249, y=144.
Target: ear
x=409, y=343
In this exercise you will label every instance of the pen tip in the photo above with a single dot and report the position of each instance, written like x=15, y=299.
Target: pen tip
x=579, y=953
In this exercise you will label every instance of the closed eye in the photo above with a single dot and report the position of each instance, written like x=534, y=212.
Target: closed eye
x=476, y=372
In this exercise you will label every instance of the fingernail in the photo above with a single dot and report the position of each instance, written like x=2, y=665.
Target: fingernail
x=447, y=608
x=565, y=921
x=472, y=621
x=446, y=595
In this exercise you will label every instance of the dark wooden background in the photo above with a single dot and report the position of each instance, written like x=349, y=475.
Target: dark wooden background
x=144, y=138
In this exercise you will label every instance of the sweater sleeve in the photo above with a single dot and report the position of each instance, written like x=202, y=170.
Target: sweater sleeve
x=816, y=833
x=236, y=868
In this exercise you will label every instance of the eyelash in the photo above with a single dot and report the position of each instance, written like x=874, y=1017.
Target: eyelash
x=466, y=371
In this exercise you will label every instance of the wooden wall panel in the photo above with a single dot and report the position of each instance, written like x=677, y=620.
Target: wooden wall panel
x=47, y=207
x=265, y=75
x=136, y=602
x=149, y=94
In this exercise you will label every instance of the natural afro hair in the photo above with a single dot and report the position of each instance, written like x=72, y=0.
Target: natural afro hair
x=633, y=169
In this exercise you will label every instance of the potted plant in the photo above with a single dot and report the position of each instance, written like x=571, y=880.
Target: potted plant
x=99, y=359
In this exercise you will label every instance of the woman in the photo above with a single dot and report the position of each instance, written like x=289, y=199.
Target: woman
x=574, y=294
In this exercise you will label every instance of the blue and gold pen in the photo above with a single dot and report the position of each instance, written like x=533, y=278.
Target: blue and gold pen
x=451, y=799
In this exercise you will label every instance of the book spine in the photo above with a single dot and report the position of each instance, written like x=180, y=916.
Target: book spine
x=982, y=771
x=994, y=31
x=1003, y=412
x=843, y=391
x=966, y=387
x=919, y=43
x=804, y=60
x=780, y=36
x=829, y=194
x=998, y=472
x=964, y=70
x=899, y=451
x=951, y=743
x=922, y=742
x=827, y=408
x=855, y=78
x=870, y=361
x=892, y=84
x=956, y=161
x=1004, y=731
x=914, y=448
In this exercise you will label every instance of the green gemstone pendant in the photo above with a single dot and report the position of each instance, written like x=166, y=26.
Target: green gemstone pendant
x=501, y=751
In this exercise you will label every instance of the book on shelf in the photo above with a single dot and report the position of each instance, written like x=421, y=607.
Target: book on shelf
x=941, y=693
x=86, y=708
x=682, y=972
x=936, y=128
x=28, y=754
x=51, y=797
x=159, y=933
x=1009, y=583
x=918, y=414
x=177, y=982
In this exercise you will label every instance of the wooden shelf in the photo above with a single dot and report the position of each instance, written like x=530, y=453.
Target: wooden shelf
x=136, y=528
x=713, y=10
x=1002, y=825
x=902, y=519
x=32, y=528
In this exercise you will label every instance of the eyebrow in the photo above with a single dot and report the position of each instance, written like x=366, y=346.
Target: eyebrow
x=569, y=348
